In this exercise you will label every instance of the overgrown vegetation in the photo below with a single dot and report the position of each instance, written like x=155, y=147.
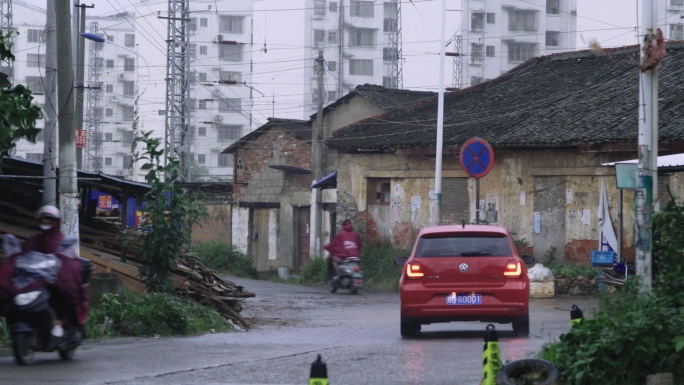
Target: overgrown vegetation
x=169, y=216
x=19, y=114
x=225, y=258
x=632, y=335
x=570, y=271
x=153, y=314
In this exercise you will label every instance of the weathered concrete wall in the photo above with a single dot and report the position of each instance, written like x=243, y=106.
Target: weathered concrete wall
x=355, y=109
x=562, y=185
x=240, y=228
x=216, y=226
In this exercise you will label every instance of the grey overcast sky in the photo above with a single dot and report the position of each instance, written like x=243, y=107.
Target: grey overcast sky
x=279, y=71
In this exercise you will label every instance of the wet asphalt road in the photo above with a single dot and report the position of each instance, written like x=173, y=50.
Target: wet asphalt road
x=358, y=336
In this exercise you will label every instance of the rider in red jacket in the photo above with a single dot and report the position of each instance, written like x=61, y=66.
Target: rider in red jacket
x=47, y=242
x=346, y=244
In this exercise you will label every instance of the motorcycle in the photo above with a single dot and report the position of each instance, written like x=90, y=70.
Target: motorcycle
x=616, y=275
x=30, y=322
x=350, y=276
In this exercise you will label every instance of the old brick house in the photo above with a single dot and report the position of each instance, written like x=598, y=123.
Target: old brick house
x=271, y=190
x=552, y=122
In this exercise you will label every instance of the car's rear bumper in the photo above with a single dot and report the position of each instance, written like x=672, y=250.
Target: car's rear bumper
x=499, y=304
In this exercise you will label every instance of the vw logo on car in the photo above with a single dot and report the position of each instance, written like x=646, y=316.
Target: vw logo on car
x=463, y=267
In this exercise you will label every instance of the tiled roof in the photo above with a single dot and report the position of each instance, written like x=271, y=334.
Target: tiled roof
x=385, y=98
x=299, y=128
x=568, y=99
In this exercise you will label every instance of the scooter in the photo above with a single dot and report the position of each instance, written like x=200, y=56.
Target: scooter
x=30, y=322
x=350, y=277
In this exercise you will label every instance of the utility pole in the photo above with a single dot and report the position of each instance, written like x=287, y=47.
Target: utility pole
x=78, y=119
x=648, y=145
x=50, y=130
x=440, y=124
x=67, y=141
x=317, y=164
x=5, y=27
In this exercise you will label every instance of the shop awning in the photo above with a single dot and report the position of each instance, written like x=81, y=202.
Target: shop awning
x=329, y=181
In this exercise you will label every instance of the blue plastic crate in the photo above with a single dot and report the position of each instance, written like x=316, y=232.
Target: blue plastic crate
x=602, y=258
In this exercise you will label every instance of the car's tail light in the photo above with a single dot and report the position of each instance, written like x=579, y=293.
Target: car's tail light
x=513, y=269
x=357, y=269
x=413, y=271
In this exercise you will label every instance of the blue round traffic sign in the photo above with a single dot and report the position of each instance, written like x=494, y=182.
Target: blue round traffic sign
x=477, y=157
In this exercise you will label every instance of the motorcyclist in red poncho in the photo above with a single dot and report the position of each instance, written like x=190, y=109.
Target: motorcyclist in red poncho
x=47, y=242
x=346, y=244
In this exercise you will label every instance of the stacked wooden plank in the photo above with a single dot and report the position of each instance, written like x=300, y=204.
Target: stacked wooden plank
x=192, y=279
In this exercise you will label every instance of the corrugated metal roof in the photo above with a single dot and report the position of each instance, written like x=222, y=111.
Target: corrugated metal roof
x=675, y=160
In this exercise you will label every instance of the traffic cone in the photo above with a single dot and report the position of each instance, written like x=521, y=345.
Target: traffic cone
x=576, y=316
x=319, y=372
x=491, y=357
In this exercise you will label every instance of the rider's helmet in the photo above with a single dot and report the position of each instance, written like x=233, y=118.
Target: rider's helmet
x=48, y=211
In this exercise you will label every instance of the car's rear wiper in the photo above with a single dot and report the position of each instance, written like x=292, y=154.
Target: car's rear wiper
x=474, y=253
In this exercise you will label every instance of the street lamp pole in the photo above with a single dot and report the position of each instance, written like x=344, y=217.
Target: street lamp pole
x=132, y=167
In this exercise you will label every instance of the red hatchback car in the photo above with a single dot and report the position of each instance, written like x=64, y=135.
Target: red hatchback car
x=464, y=273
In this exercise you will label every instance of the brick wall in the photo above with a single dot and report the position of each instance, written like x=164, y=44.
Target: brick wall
x=455, y=202
x=256, y=182
x=346, y=204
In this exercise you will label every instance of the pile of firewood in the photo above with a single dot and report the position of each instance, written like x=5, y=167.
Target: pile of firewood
x=196, y=281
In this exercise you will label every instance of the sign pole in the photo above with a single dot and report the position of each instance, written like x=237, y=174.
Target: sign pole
x=477, y=200
x=477, y=159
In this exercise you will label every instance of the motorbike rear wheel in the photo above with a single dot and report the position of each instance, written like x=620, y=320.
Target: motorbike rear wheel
x=22, y=348
x=67, y=354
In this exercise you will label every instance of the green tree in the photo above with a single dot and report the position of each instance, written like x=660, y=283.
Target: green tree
x=169, y=213
x=196, y=170
x=17, y=114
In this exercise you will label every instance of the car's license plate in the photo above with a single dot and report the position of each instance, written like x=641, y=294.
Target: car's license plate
x=464, y=299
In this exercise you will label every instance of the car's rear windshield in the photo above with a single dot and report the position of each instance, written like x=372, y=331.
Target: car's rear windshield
x=463, y=244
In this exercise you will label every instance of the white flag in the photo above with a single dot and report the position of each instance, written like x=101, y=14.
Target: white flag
x=607, y=233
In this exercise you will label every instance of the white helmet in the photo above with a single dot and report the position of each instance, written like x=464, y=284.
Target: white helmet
x=48, y=211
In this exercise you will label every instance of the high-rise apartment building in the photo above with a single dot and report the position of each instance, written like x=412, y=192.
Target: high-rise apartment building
x=218, y=72
x=360, y=41
x=498, y=35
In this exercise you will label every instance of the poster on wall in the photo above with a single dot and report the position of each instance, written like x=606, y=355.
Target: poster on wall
x=492, y=208
x=104, y=202
x=536, y=222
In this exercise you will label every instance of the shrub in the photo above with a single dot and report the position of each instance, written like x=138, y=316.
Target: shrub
x=314, y=272
x=573, y=271
x=379, y=269
x=633, y=334
x=156, y=313
x=226, y=258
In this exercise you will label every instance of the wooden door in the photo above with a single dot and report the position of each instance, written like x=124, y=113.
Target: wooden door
x=259, y=246
x=303, y=235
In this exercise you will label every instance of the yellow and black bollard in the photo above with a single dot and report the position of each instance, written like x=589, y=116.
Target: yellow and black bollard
x=491, y=357
x=319, y=372
x=576, y=316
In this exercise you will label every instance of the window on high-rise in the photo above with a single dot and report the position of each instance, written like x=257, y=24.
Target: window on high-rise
x=109, y=112
x=491, y=18
x=477, y=21
x=201, y=159
x=519, y=52
x=35, y=84
x=110, y=38
x=204, y=22
x=129, y=40
x=108, y=162
x=34, y=35
x=203, y=50
x=491, y=51
x=230, y=105
x=362, y=38
x=109, y=88
x=389, y=82
x=552, y=39
x=475, y=80
x=225, y=160
x=332, y=36
x=676, y=31
x=319, y=7
x=230, y=52
x=332, y=96
x=129, y=88
x=553, y=7
x=203, y=76
x=202, y=105
x=389, y=54
x=201, y=131
x=235, y=76
x=361, y=67
x=476, y=53
x=362, y=8
x=332, y=6
x=36, y=60
x=192, y=24
x=126, y=113
x=319, y=36
x=332, y=65
x=228, y=132
x=390, y=20
x=231, y=24
x=129, y=64
x=109, y=137
x=110, y=63
x=523, y=20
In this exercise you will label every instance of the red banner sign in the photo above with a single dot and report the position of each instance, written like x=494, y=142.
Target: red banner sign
x=80, y=138
x=104, y=202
